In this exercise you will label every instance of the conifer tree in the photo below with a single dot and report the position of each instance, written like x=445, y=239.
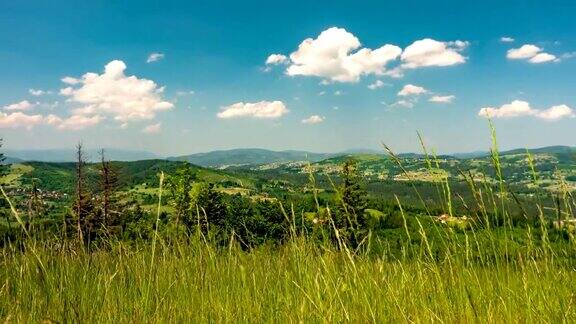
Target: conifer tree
x=352, y=192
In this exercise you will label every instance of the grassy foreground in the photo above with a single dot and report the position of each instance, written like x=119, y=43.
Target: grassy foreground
x=297, y=282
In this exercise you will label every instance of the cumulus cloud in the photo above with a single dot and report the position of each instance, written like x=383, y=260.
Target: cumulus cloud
x=276, y=59
x=260, y=110
x=519, y=108
x=314, y=119
x=556, y=112
x=411, y=90
x=93, y=98
x=112, y=93
x=442, y=99
x=38, y=92
x=335, y=55
x=153, y=129
x=542, y=58
x=154, y=57
x=531, y=53
x=377, y=84
x=516, y=108
x=74, y=122
x=20, y=120
x=506, y=39
x=429, y=52
x=22, y=105
x=23, y=120
x=524, y=52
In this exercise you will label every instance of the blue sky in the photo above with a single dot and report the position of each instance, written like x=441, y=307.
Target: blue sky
x=210, y=87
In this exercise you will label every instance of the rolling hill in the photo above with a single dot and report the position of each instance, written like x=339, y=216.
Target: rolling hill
x=249, y=157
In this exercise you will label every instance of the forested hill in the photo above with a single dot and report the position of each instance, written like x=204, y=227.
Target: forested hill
x=54, y=176
x=249, y=156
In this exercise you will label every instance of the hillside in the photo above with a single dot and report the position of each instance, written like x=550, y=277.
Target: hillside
x=235, y=157
x=51, y=176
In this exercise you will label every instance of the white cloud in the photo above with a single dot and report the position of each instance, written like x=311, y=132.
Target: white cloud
x=22, y=105
x=556, y=112
x=185, y=93
x=429, y=52
x=261, y=110
x=154, y=57
x=112, y=93
x=70, y=80
x=506, y=39
x=404, y=103
x=542, y=58
x=442, y=99
x=519, y=108
x=516, y=108
x=337, y=93
x=330, y=56
x=153, y=129
x=395, y=73
x=526, y=51
x=410, y=90
x=38, y=92
x=314, y=119
x=20, y=120
x=377, y=84
x=530, y=52
x=74, y=122
x=96, y=96
x=336, y=55
x=276, y=59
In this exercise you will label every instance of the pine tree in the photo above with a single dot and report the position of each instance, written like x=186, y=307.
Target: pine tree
x=352, y=193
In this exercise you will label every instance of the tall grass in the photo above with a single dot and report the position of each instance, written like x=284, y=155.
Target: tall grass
x=297, y=282
x=487, y=273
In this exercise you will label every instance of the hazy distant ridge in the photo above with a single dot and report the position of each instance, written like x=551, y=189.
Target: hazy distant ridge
x=68, y=155
x=249, y=156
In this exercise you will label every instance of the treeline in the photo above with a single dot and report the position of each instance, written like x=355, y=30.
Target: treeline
x=100, y=210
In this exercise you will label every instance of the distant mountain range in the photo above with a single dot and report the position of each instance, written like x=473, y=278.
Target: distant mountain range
x=247, y=156
x=557, y=149
x=68, y=155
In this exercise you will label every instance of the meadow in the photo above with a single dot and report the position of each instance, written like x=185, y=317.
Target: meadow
x=506, y=260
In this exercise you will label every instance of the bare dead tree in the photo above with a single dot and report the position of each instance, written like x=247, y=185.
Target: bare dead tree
x=80, y=184
x=35, y=204
x=108, y=182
